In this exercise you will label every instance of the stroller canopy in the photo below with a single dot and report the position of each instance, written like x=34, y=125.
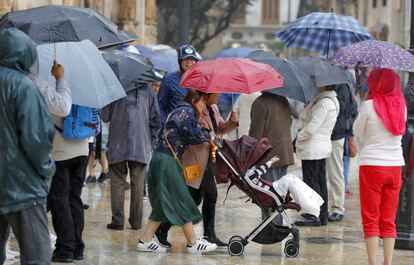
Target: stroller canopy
x=246, y=151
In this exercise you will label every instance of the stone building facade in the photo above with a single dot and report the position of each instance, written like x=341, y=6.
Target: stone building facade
x=137, y=16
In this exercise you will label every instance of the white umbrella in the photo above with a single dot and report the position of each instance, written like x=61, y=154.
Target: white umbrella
x=91, y=80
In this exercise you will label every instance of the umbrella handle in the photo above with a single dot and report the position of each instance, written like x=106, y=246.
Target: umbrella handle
x=358, y=84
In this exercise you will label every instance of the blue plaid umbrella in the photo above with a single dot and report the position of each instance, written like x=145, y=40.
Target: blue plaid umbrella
x=323, y=32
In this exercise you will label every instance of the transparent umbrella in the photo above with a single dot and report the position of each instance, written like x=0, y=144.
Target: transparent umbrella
x=91, y=80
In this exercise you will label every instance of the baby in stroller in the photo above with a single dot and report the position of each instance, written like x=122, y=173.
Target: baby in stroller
x=282, y=188
x=237, y=165
x=253, y=175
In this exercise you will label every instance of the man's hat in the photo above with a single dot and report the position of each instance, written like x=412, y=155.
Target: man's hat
x=186, y=51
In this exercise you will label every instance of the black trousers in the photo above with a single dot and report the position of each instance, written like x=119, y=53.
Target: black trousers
x=314, y=175
x=66, y=206
x=206, y=194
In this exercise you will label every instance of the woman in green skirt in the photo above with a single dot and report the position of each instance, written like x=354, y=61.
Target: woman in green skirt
x=169, y=195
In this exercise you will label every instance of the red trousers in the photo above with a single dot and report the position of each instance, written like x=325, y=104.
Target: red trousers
x=379, y=189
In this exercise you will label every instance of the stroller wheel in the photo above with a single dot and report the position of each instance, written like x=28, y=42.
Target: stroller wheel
x=236, y=246
x=291, y=249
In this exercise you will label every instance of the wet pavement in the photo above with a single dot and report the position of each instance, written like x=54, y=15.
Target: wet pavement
x=336, y=243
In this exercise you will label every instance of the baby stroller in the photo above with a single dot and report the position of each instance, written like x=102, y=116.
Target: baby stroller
x=235, y=158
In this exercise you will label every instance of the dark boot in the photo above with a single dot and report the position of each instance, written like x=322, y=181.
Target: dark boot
x=210, y=234
x=162, y=234
x=214, y=239
x=309, y=220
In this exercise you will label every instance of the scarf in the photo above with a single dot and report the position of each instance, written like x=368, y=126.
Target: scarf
x=389, y=103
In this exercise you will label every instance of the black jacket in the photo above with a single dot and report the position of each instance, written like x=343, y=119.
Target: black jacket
x=347, y=113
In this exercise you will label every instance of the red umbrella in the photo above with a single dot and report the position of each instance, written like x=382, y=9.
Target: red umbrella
x=231, y=75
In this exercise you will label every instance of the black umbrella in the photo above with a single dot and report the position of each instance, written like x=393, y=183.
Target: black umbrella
x=130, y=68
x=321, y=70
x=53, y=23
x=297, y=84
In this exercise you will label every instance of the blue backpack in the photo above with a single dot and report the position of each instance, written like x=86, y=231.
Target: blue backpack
x=82, y=122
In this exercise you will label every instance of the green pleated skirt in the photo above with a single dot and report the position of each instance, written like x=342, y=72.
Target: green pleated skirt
x=169, y=195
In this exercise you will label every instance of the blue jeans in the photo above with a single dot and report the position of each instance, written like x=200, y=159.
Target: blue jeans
x=347, y=160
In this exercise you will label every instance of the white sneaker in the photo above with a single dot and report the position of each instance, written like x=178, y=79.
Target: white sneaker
x=151, y=246
x=201, y=246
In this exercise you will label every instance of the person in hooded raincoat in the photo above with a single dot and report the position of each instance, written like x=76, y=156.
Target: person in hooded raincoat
x=26, y=167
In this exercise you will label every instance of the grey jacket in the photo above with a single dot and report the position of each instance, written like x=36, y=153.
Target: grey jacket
x=134, y=124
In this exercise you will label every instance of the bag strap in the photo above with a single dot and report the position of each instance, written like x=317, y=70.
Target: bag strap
x=170, y=146
x=336, y=108
x=58, y=128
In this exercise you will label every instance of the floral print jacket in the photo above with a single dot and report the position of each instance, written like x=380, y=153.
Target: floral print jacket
x=182, y=130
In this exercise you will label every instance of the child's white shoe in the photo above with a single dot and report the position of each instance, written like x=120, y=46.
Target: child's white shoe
x=151, y=246
x=201, y=246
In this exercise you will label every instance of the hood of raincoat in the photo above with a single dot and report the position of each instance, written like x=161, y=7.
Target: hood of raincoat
x=17, y=50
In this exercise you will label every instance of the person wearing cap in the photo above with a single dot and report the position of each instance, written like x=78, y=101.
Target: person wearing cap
x=171, y=93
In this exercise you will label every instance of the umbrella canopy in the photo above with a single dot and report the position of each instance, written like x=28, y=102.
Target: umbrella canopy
x=163, y=57
x=376, y=54
x=321, y=70
x=238, y=76
x=239, y=52
x=261, y=54
x=91, y=80
x=297, y=84
x=323, y=32
x=55, y=23
x=130, y=68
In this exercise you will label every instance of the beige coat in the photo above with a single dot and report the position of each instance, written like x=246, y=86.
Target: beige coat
x=199, y=154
